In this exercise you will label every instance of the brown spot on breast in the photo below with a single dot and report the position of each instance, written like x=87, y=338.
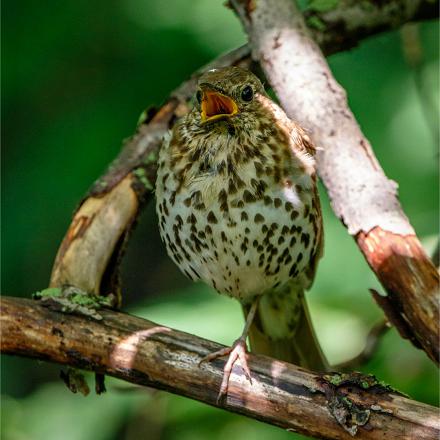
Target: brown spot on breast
x=244, y=216
x=259, y=168
x=173, y=198
x=306, y=211
x=248, y=197
x=191, y=219
x=267, y=200
x=259, y=187
x=222, y=196
x=258, y=218
x=211, y=217
x=292, y=270
x=221, y=168
x=239, y=182
x=277, y=202
x=232, y=188
x=305, y=238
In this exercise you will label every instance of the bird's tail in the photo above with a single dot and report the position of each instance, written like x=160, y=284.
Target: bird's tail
x=282, y=329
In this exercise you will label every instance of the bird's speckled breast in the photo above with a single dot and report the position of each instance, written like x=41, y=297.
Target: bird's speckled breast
x=238, y=226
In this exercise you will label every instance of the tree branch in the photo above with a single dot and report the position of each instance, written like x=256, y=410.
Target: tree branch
x=360, y=193
x=144, y=353
x=343, y=26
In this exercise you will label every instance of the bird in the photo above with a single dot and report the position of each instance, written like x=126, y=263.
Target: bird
x=238, y=208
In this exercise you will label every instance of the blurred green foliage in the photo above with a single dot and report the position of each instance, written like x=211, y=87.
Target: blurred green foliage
x=75, y=77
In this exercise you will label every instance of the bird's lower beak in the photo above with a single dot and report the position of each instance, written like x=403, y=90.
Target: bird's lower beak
x=215, y=105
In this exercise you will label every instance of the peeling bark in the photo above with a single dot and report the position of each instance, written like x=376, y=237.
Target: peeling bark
x=334, y=406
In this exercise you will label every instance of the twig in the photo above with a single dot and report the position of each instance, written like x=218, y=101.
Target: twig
x=141, y=352
x=361, y=195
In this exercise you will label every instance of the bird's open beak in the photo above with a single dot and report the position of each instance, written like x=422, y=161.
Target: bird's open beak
x=215, y=106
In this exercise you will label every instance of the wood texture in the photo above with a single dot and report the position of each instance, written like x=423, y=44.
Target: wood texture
x=145, y=353
x=412, y=285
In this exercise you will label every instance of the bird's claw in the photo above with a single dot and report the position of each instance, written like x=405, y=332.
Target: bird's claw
x=238, y=351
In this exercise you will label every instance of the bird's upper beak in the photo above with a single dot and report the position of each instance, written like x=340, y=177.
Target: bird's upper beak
x=215, y=106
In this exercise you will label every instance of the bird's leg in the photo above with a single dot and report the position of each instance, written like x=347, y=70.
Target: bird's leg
x=238, y=350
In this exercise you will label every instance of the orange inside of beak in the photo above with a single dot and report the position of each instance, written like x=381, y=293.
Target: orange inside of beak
x=216, y=105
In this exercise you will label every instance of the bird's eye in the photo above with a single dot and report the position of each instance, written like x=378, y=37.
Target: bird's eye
x=247, y=94
x=199, y=96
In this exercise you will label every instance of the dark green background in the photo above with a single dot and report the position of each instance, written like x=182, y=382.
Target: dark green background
x=75, y=78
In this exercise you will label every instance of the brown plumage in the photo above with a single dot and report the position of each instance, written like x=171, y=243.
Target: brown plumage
x=238, y=209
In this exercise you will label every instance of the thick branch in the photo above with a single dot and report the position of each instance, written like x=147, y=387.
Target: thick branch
x=144, y=353
x=361, y=195
x=343, y=26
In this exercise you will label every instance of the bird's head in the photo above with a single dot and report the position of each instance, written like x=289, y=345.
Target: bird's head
x=227, y=97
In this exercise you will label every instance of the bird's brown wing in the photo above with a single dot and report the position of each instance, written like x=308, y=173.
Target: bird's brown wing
x=295, y=342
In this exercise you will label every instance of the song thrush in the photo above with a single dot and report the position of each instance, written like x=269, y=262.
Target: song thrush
x=238, y=209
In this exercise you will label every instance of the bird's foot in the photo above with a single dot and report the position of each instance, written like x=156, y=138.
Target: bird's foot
x=70, y=299
x=238, y=351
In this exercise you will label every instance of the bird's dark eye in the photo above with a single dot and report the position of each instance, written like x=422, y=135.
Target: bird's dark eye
x=247, y=94
x=199, y=96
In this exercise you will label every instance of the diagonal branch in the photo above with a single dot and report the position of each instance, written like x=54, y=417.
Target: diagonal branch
x=141, y=352
x=361, y=195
